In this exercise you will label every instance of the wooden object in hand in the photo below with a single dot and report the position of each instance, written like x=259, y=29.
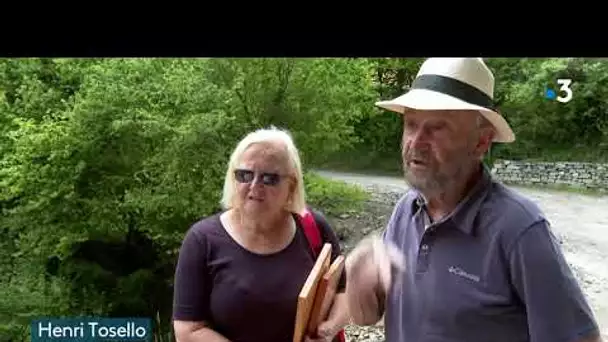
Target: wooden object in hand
x=325, y=294
x=307, y=294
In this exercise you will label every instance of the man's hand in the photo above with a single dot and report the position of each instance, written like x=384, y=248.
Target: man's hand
x=369, y=270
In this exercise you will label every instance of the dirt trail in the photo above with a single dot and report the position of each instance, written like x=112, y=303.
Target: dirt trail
x=580, y=221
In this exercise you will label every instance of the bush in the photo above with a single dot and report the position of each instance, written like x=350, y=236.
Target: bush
x=333, y=197
x=101, y=158
x=28, y=294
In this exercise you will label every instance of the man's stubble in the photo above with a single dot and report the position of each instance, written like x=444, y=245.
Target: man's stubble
x=439, y=178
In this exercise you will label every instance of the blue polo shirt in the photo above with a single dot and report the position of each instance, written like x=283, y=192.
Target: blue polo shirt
x=491, y=271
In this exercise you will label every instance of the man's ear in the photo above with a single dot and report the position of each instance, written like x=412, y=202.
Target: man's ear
x=484, y=142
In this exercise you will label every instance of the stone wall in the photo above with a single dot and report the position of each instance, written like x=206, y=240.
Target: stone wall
x=580, y=175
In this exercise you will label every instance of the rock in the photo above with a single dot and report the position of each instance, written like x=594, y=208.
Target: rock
x=356, y=333
x=568, y=173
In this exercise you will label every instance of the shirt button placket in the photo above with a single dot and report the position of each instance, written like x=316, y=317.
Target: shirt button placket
x=423, y=253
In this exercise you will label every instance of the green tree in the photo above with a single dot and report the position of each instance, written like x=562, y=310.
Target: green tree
x=106, y=163
x=548, y=129
x=319, y=100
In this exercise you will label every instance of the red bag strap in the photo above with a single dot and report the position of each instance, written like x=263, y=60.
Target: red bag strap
x=341, y=337
x=312, y=231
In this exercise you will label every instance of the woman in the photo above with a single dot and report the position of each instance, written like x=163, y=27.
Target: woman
x=240, y=271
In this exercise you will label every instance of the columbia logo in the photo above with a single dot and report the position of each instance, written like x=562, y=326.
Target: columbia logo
x=460, y=272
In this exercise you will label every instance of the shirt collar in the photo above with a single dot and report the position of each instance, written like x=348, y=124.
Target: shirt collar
x=465, y=213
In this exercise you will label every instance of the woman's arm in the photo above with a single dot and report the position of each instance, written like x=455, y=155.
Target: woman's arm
x=192, y=289
x=338, y=315
x=337, y=319
x=186, y=331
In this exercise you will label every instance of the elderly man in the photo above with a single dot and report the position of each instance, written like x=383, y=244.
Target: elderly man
x=475, y=261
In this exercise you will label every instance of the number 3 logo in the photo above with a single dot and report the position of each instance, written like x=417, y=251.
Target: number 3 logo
x=565, y=87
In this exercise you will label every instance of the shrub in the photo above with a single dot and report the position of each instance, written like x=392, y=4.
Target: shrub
x=130, y=152
x=333, y=197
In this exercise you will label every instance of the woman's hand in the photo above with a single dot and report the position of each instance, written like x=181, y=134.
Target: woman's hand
x=325, y=332
x=337, y=319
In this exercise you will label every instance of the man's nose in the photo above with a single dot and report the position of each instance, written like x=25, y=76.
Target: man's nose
x=416, y=138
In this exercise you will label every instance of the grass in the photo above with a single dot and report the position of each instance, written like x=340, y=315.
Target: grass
x=333, y=197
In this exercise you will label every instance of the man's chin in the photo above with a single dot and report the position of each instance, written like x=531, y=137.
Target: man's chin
x=414, y=179
x=420, y=183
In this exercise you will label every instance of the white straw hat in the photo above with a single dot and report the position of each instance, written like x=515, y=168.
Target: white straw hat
x=454, y=83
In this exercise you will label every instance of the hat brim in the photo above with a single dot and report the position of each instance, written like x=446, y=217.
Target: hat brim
x=422, y=99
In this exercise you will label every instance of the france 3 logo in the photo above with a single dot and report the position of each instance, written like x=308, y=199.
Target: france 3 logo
x=564, y=94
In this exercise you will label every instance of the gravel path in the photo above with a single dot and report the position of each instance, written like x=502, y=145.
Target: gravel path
x=580, y=221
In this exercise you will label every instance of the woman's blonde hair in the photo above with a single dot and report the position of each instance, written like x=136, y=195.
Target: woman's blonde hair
x=271, y=134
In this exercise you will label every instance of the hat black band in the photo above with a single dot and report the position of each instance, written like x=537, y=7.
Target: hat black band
x=455, y=88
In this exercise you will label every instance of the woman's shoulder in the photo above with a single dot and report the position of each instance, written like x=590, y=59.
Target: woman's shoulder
x=328, y=233
x=205, y=227
x=318, y=214
x=321, y=219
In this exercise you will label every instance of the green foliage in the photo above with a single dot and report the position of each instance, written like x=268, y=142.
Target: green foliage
x=316, y=99
x=27, y=294
x=104, y=163
x=333, y=197
x=547, y=129
x=97, y=152
x=380, y=131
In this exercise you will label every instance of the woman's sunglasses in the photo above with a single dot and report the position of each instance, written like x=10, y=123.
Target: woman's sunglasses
x=247, y=176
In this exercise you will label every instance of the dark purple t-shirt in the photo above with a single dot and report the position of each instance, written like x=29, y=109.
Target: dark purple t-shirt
x=246, y=297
